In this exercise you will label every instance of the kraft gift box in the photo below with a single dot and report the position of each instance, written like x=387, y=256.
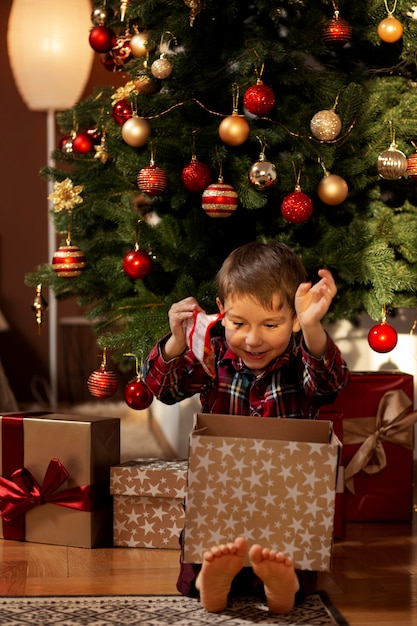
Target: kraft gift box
x=148, y=503
x=55, y=478
x=378, y=441
x=270, y=480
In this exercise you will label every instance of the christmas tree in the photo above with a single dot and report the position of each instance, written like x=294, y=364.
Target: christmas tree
x=239, y=120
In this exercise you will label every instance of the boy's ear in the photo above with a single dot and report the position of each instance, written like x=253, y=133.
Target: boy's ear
x=296, y=325
x=220, y=305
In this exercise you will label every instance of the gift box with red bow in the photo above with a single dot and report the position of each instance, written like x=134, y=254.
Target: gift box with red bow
x=378, y=441
x=55, y=478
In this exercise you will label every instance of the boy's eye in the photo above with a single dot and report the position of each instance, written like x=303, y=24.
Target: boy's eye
x=271, y=325
x=237, y=324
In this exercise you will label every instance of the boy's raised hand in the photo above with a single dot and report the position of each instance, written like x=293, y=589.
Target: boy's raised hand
x=313, y=301
x=179, y=311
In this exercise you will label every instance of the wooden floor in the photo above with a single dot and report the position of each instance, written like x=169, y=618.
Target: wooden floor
x=373, y=581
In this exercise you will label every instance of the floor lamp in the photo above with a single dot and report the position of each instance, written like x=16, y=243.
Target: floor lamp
x=51, y=70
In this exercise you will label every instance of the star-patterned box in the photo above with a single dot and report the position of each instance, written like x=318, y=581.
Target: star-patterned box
x=148, y=496
x=270, y=480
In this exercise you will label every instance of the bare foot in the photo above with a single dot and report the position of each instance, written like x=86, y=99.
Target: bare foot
x=276, y=570
x=220, y=566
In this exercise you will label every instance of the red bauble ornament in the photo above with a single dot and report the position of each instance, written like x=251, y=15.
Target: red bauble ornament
x=259, y=99
x=152, y=179
x=121, y=51
x=297, y=207
x=219, y=199
x=121, y=111
x=137, y=395
x=382, y=337
x=68, y=261
x=108, y=62
x=102, y=39
x=337, y=31
x=196, y=176
x=83, y=143
x=101, y=383
x=137, y=263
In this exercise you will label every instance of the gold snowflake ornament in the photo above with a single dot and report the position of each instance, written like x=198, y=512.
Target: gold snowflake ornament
x=65, y=195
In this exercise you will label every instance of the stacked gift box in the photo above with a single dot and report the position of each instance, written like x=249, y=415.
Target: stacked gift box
x=149, y=503
x=55, y=478
x=378, y=442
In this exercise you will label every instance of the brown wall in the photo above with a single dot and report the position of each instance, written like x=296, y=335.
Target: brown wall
x=23, y=227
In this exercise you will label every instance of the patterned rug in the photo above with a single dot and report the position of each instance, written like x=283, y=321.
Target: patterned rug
x=317, y=610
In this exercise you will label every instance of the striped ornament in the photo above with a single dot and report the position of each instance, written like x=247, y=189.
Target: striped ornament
x=219, y=200
x=152, y=180
x=68, y=261
x=102, y=383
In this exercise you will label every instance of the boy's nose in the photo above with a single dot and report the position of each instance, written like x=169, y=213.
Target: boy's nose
x=253, y=338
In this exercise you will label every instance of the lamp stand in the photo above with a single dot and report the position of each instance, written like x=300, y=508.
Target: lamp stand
x=52, y=302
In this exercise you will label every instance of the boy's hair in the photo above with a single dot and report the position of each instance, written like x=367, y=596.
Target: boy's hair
x=261, y=271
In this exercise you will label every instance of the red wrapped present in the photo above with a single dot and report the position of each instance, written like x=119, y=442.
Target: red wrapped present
x=378, y=441
x=339, y=514
x=55, y=478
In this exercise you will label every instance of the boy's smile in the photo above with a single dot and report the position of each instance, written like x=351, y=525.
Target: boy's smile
x=256, y=334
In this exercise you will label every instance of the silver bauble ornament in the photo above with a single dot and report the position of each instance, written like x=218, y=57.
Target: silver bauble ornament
x=263, y=173
x=161, y=68
x=139, y=44
x=100, y=15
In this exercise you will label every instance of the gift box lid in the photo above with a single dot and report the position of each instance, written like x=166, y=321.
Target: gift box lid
x=150, y=477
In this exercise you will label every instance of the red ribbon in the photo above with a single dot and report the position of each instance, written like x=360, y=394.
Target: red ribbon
x=23, y=492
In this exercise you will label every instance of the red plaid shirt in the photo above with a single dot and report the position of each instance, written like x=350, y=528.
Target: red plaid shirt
x=294, y=385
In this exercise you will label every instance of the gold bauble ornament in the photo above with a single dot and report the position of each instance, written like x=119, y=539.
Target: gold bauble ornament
x=332, y=189
x=234, y=130
x=136, y=131
x=146, y=84
x=392, y=164
x=263, y=173
x=390, y=29
x=326, y=125
x=139, y=44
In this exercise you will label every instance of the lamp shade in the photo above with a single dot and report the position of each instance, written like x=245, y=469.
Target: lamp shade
x=49, y=52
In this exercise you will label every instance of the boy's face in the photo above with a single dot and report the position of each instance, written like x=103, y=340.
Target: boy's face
x=257, y=335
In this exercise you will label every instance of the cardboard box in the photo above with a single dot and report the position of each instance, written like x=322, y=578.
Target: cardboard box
x=55, y=478
x=378, y=493
x=339, y=526
x=270, y=480
x=148, y=503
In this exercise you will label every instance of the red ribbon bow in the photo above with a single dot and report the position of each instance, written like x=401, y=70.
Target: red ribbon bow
x=23, y=492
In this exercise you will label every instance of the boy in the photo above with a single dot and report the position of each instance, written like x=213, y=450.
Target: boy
x=259, y=370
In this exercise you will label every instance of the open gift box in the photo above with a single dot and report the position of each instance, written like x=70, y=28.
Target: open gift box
x=270, y=480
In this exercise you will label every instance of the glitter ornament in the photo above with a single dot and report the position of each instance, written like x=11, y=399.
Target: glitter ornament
x=139, y=44
x=137, y=264
x=390, y=29
x=412, y=166
x=102, y=383
x=219, y=199
x=234, y=130
x=136, y=131
x=337, y=31
x=68, y=261
x=259, y=99
x=152, y=179
x=102, y=39
x=382, y=337
x=392, y=163
x=137, y=395
x=121, y=111
x=196, y=176
x=263, y=173
x=297, y=207
x=161, y=68
x=326, y=125
x=332, y=189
